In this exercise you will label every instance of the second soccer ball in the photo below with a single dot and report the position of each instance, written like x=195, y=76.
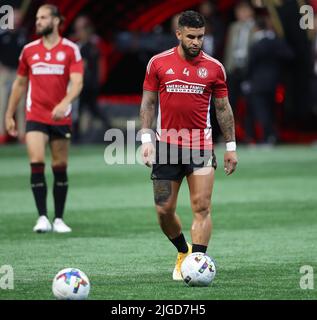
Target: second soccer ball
x=71, y=284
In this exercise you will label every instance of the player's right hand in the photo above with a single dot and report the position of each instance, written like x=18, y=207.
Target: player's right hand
x=10, y=126
x=148, y=152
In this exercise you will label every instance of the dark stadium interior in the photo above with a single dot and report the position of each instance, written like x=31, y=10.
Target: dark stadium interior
x=148, y=24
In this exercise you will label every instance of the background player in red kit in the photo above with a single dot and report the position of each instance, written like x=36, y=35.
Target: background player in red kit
x=46, y=67
x=184, y=79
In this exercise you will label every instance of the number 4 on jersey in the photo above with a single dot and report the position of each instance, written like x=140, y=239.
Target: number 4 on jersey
x=186, y=72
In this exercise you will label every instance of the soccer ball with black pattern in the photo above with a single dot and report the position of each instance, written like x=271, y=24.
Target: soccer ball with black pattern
x=71, y=284
x=198, y=270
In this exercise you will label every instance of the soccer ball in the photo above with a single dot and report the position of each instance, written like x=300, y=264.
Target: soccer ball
x=71, y=284
x=198, y=270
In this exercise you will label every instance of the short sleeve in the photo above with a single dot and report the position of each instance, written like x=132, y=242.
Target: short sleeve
x=220, y=87
x=76, y=61
x=23, y=68
x=151, y=81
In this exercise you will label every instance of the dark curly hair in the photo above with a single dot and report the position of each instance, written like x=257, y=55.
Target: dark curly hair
x=191, y=19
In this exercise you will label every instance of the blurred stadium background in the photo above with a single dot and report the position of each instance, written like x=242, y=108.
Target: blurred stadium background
x=122, y=36
x=265, y=215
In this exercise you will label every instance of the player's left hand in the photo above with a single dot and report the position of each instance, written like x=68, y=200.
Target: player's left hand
x=230, y=162
x=148, y=152
x=59, y=111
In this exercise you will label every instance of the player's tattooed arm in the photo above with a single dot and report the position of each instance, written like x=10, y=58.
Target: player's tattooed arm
x=225, y=118
x=162, y=191
x=147, y=114
x=147, y=110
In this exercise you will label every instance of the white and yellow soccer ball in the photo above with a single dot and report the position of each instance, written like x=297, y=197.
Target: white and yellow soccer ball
x=198, y=270
x=71, y=284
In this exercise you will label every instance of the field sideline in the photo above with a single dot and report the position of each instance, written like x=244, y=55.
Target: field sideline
x=265, y=228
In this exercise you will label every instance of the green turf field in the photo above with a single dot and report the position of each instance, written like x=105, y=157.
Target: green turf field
x=265, y=228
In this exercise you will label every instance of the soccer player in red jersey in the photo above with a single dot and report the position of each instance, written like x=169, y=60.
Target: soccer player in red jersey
x=51, y=69
x=182, y=81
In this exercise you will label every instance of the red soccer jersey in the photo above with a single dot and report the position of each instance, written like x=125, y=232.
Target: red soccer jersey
x=49, y=73
x=185, y=88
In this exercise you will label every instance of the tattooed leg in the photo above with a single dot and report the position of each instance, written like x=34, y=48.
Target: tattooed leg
x=162, y=191
x=165, y=196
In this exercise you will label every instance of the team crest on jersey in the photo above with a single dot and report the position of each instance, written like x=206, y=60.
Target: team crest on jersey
x=60, y=56
x=202, y=73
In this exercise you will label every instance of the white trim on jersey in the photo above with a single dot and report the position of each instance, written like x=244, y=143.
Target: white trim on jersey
x=74, y=47
x=28, y=97
x=31, y=44
x=208, y=114
x=158, y=121
x=163, y=54
x=208, y=129
x=207, y=133
x=193, y=83
x=45, y=64
x=208, y=57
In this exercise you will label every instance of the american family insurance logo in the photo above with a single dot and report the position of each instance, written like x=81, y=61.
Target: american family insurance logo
x=181, y=86
x=46, y=68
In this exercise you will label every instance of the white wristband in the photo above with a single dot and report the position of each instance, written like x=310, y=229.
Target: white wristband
x=146, y=137
x=231, y=146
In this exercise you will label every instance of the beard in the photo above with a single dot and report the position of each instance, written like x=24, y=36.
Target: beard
x=189, y=52
x=45, y=31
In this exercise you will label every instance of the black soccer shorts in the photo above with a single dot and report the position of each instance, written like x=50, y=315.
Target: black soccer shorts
x=174, y=163
x=53, y=131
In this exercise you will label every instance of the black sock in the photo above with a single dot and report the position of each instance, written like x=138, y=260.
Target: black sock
x=39, y=188
x=199, y=248
x=180, y=243
x=60, y=189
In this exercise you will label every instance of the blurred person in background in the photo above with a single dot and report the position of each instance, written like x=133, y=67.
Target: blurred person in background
x=51, y=69
x=11, y=44
x=88, y=43
x=213, y=45
x=266, y=56
x=237, y=48
x=215, y=29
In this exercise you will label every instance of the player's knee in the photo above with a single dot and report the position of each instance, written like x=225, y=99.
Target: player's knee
x=201, y=207
x=165, y=210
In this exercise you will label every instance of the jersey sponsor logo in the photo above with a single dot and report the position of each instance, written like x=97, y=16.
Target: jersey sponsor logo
x=60, y=56
x=36, y=57
x=46, y=68
x=170, y=71
x=186, y=72
x=202, y=73
x=180, y=86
